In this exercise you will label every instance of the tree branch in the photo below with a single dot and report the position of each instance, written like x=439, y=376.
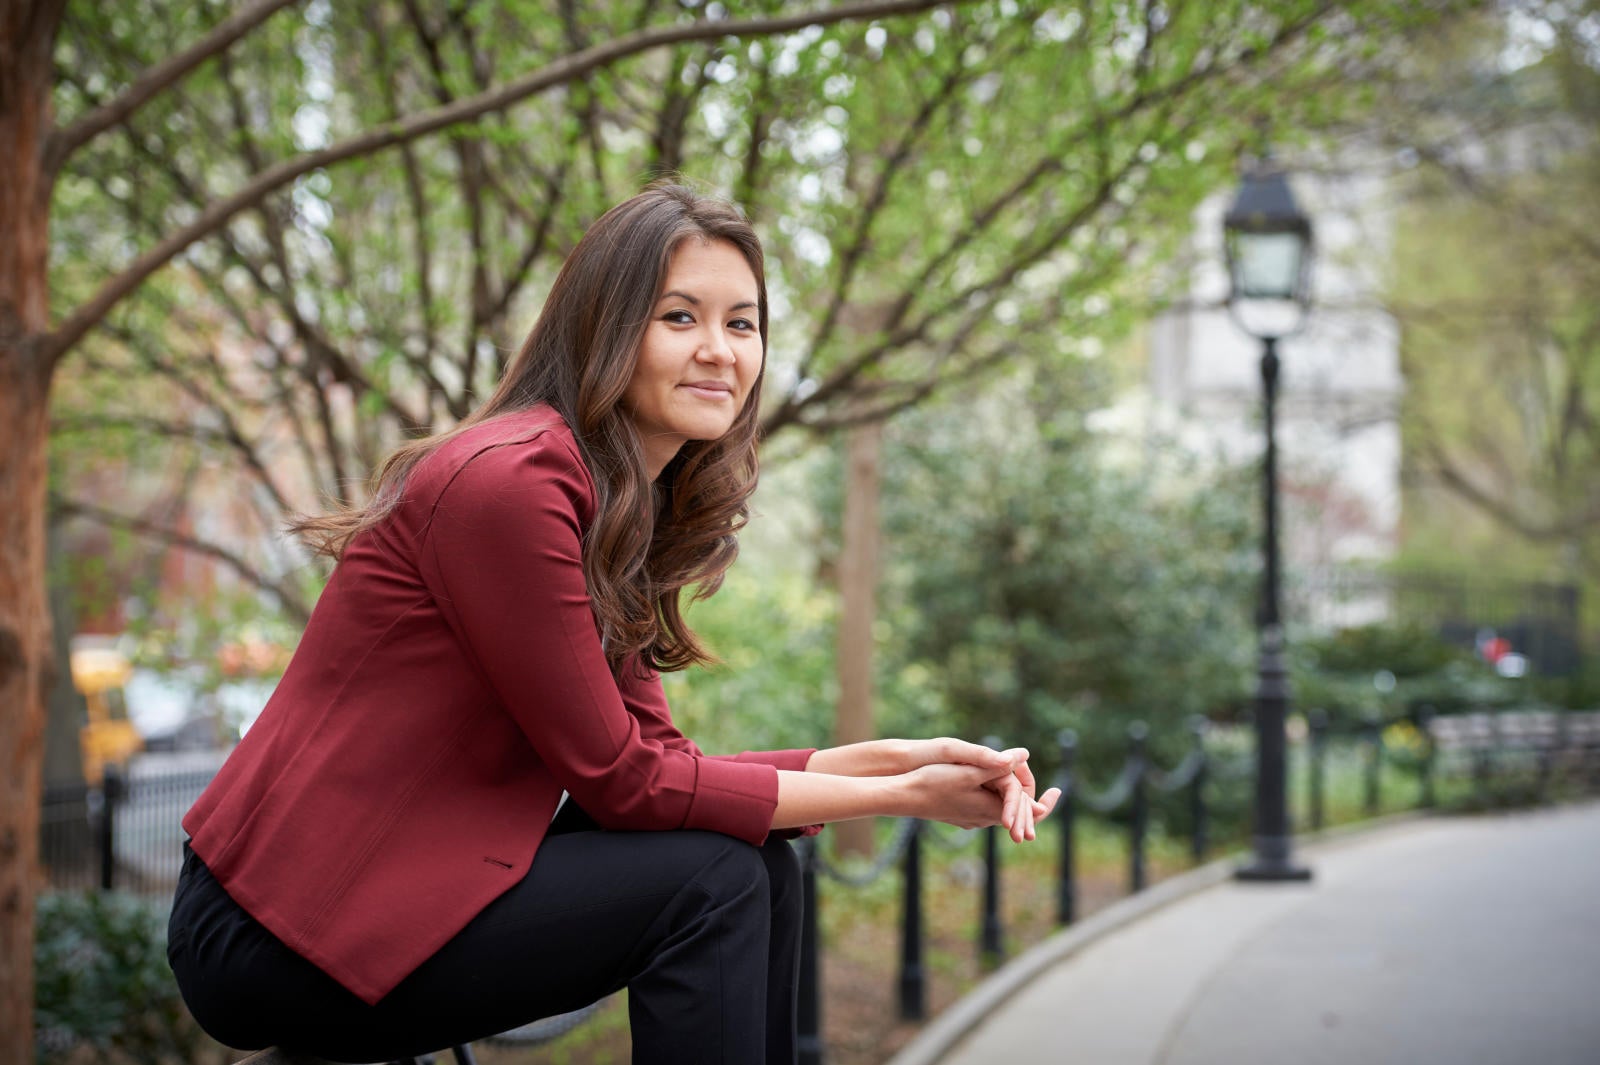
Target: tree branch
x=53, y=345
x=855, y=251
x=422, y=247
x=286, y=596
x=157, y=78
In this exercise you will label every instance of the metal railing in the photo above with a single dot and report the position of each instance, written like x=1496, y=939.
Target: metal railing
x=124, y=835
x=1132, y=789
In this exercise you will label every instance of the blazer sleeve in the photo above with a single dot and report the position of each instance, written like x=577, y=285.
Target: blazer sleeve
x=502, y=556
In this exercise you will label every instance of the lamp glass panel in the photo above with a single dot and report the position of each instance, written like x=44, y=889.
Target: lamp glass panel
x=1267, y=265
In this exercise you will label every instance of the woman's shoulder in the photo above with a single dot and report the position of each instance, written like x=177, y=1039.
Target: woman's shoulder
x=534, y=444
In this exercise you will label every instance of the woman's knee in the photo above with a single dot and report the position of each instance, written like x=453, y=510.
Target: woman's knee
x=782, y=866
x=728, y=870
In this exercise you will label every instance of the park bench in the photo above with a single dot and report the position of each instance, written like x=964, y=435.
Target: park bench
x=1556, y=742
x=1518, y=730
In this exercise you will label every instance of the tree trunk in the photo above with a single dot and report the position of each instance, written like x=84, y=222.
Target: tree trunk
x=858, y=593
x=26, y=670
x=27, y=37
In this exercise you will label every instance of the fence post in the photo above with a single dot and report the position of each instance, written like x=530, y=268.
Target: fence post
x=1545, y=759
x=1430, y=751
x=913, y=982
x=1372, y=729
x=1139, y=815
x=1317, y=720
x=809, y=1011
x=111, y=792
x=1197, y=791
x=1066, y=886
x=1480, y=762
x=1562, y=740
x=991, y=937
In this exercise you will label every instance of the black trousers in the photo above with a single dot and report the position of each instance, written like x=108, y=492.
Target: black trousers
x=701, y=928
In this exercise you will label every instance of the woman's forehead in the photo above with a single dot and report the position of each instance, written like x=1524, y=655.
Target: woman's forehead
x=709, y=262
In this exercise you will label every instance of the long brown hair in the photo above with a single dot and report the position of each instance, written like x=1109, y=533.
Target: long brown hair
x=647, y=541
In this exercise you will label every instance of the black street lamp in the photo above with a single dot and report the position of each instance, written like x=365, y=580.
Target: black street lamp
x=1268, y=244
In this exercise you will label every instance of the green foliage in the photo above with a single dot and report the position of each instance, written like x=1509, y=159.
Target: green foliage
x=776, y=686
x=1390, y=670
x=1042, y=585
x=1581, y=691
x=1403, y=650
x=1494, y=272
x=102, y=989
x=940, y=193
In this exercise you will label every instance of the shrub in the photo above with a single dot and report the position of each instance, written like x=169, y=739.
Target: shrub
x=1390, y=670
x=103, y=990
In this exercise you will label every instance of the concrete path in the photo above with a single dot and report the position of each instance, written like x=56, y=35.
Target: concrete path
x=1449, y=941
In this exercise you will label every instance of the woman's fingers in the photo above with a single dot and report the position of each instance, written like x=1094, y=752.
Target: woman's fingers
x=1020, y=811
x=952, y=751
x=1020, y=768
x=1045, y=803
x=1011, y=806
x=973, y=796
x=1009, y=788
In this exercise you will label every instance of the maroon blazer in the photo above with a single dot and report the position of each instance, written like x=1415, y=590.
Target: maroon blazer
x=449, y=686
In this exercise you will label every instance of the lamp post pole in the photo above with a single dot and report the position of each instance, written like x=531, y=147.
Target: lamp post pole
x=1272, y=840
x=1268, y=242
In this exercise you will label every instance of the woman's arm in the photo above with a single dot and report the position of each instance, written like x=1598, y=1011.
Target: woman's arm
x=643, y=695
x=962, y=795
x=882, y=758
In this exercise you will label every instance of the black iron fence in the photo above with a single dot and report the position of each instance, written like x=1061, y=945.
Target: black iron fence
x=126, y=834
x=1496, y=751
x=1542, y=620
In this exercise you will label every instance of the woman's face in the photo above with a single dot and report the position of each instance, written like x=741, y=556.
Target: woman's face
x=701, y=352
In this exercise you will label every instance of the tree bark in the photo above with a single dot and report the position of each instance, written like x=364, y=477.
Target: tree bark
x=27, y=37
x=858, y=593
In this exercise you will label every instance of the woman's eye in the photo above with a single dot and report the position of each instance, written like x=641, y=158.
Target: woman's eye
x=678, y=317
x=743, y=324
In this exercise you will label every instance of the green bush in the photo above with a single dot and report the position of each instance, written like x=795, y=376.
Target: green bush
x=102, y=989
x=1404, y=650
x=1392, y=670
x=1043, y=582
x=775, y=686
x=1580, y=691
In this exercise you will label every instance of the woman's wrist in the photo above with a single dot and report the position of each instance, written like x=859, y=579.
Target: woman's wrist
x=871, y=758
x=811, y=798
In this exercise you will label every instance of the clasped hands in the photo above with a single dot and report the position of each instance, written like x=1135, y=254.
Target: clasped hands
x=973, y=786
x=963, y=784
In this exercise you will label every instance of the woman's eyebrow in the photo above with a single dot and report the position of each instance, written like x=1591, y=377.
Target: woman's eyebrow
x=691, y=299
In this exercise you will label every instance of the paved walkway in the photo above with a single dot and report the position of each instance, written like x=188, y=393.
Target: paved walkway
x=1434, y=942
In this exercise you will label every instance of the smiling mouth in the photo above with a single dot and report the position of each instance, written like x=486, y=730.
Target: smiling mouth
x=713, y=391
